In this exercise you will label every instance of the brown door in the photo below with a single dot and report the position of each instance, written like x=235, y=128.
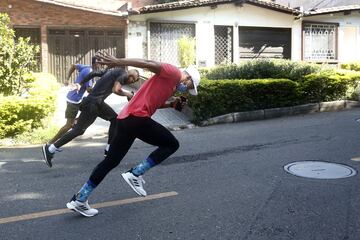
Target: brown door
x=71, y=46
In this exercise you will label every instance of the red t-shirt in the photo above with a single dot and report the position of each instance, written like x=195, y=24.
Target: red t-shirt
x=153, y=93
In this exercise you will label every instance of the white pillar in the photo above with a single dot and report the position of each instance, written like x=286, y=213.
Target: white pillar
x=296, y=40
x=236, y=53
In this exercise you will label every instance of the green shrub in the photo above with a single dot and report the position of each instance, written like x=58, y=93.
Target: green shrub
x=45, y=84
x=353, y=83
x=21, y=114
x=17, y=57
x=225, y=96
x=187, y=53
x=355, y=66
x=328, y=86
x=204, y=71
x=264, y=68
x=36, y=136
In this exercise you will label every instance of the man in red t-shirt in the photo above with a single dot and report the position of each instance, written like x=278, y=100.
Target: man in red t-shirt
x=134, y=121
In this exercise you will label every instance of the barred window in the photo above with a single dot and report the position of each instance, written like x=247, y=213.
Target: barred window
x=320, y=41
x=35, y=39
x=223, y=44
x=164, y=40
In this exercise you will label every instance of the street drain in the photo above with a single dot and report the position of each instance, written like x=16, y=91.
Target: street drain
x=319, y=170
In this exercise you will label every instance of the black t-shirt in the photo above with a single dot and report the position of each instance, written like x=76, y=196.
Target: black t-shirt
x=103, y=87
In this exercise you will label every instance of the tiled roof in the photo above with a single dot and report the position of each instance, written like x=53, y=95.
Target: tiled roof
x=108, y=7
x=200, y=3
x=333, y=10
x=309, y=5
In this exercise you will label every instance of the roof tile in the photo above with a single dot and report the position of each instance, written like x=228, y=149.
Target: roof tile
x=111, y=7
x=333, y=9
x=199, y=3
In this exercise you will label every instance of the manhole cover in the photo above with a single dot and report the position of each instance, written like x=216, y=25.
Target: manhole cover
x=319, y=170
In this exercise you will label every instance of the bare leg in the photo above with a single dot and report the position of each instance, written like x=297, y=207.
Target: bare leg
x=68, y=125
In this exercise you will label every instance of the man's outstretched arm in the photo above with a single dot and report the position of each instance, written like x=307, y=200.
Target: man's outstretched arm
x=91, y=75
x=71, y=70
x=111, y=61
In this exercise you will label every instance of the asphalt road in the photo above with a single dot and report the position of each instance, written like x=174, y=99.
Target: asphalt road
x=225, y=182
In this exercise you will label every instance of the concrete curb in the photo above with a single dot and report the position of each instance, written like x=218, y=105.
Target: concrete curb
x=281, y=112
x=180, y=127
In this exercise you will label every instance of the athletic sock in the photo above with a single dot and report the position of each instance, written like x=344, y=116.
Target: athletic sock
x=85, y=191
x=107, y=147
x=141, y=168
x=52, y=148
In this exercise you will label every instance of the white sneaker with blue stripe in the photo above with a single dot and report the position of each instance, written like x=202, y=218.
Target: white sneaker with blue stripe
x=136, y=183
x=81, y=207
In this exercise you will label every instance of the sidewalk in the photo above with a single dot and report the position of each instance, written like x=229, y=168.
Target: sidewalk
x=170, y=118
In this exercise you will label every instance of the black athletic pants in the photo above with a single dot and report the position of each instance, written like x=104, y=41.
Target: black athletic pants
x=90, y=110
x=127, y=130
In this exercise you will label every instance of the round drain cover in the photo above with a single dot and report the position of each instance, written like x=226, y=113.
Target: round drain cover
x=320, y=170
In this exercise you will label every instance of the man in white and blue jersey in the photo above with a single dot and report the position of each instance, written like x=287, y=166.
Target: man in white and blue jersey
x=75, y=96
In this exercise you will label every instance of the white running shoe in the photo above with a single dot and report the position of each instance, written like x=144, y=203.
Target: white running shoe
x=136, y=183
x=82, y=208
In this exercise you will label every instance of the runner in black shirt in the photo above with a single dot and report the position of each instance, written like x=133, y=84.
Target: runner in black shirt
x=94, y=106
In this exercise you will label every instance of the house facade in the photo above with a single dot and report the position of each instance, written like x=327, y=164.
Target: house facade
x=226, y=31
x=233, y=31
x=69, y=33
x=331, y=34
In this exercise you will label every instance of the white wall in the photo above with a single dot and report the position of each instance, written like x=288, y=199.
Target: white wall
x=137, y=39
x=296, y=33
x=205, y=18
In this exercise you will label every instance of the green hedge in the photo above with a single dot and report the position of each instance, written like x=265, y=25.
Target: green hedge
x=264, y=68
x=21, y=114
x=224, y=96
x=355, y=66
x=328, y=86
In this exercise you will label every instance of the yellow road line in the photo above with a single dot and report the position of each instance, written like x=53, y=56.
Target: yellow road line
x=98, y=205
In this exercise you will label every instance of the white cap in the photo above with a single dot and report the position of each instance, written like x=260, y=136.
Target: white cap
x=195, y=76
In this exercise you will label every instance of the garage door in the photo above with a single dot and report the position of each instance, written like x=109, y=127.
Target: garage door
x=257, y=42
x=67, y=47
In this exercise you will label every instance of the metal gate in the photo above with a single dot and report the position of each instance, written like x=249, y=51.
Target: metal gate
x=164, y=40
x=70, y=46
x=223, y=44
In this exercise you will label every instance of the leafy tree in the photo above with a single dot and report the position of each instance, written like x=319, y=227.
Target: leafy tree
x=16, y=58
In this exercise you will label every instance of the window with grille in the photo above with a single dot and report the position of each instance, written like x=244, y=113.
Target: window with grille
x=34, y=34
x=319, y=41
x=164, y=40
x=223, y=44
